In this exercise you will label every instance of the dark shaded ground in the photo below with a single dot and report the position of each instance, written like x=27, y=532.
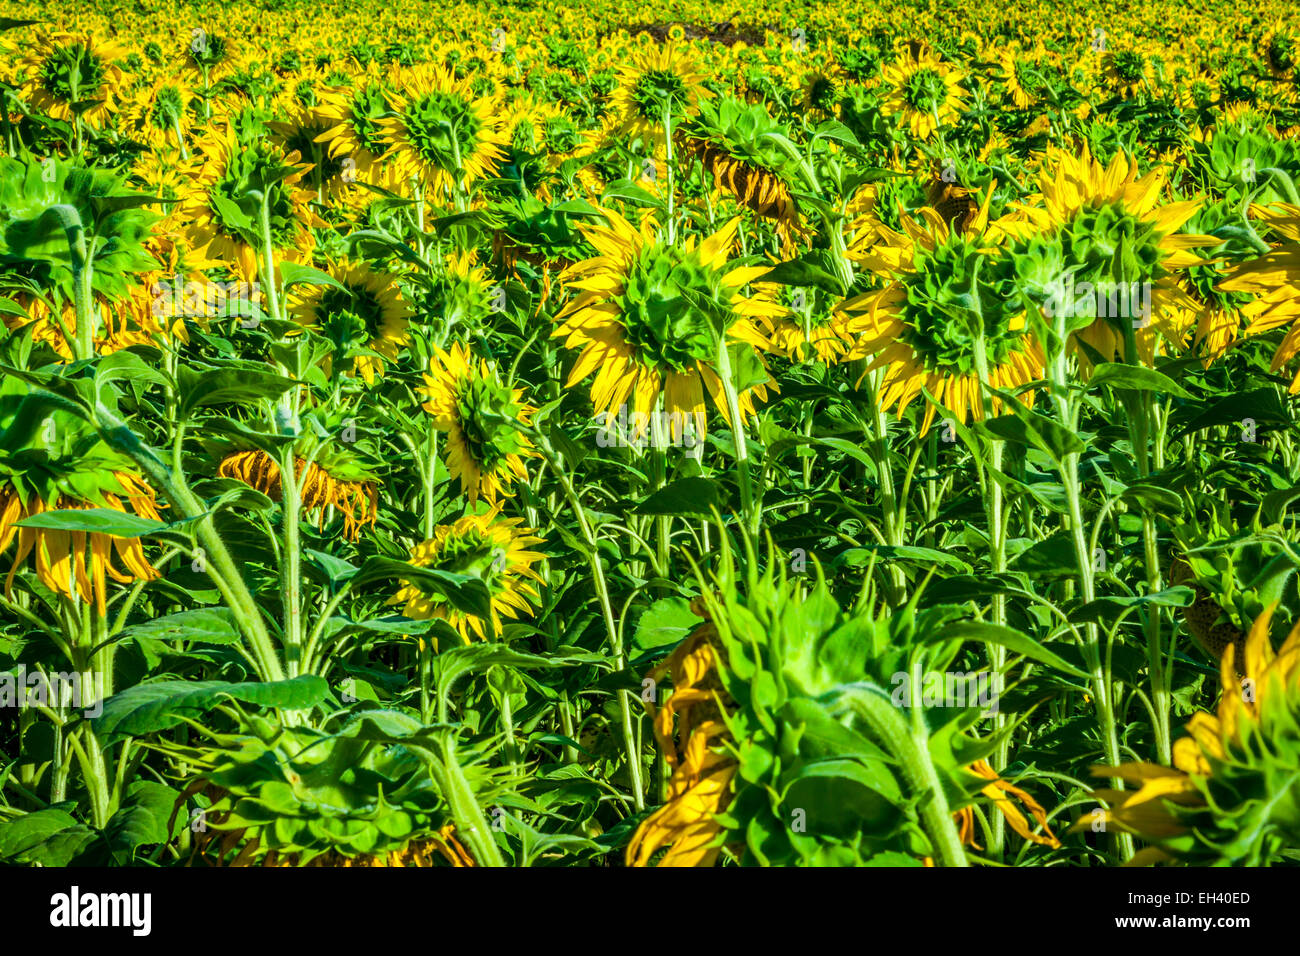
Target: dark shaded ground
x=728, y=32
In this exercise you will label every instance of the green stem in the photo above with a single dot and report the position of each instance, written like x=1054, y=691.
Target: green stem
x=751, y=517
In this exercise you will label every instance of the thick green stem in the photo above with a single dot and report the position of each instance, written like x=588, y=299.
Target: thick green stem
x=909, y=747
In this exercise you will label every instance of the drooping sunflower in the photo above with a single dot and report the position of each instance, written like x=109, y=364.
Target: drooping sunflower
x=948, y=293
x=365, y=308
x=733, y=140
x=661, y=83
x=80, y=561
x=336, y=482
x=442, y=133
x=649, y=318
x=488, y=546
x=925, y=92
x=687, y=825
x=73, y=69
x=1000, y=792
x=222, y=209
x=468, y=400
x=1120, y=250
x=1231, y=796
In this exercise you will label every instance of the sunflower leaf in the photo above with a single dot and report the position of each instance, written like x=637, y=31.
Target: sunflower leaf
x=96, y=521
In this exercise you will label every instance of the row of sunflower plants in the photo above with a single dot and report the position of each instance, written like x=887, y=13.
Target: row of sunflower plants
x=651, y=448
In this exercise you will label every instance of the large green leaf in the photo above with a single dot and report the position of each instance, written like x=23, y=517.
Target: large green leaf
x=147, y=708
x=666, y=621
x=95, y=520
x=222, y=386
x=212, y=625
x=1136, y=378
x=1013, y=640
x=685, y=496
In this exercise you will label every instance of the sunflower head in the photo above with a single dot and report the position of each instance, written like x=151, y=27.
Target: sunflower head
x=488, y=547
x=949, y=316
x=362, y=311
x=1127, y=71
x=441, y=132
x=736, y=142
x=73, y=74
x=661, y=84
x=1120, y=250
x=650, y=318
x=480, y=413
x=925, y=92
x=334, y=477
x=1231, y=797
x=223, y=205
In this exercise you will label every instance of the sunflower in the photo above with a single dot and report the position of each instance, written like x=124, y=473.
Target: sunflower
x=494, y=549
x=461, y=295
x=362, y=307
x=341, y=485
x=1231, y=796
x=947, y=293
x=1127, y=72
x=734, y=141
x=1280, y=53
x=470, y=402
x=1274, y=278
x=1120, y=247
x=74, y=564
x=163, y=173
x=67, y=70
x=542, y=137
x=650, y=317
x=925, y=92
x=1000, y=792
x=1018, y=74
x=160, y=114
x=210, y=55
x=821, y=90
x=355, y=138
x=702, y=769
x=300, y=133
x=441, y=133
x=662, y=83
x=811, y=326
x=1223, y=316
x=222, y=210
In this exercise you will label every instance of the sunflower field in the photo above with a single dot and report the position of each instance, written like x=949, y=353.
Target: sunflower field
x=649, y=434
